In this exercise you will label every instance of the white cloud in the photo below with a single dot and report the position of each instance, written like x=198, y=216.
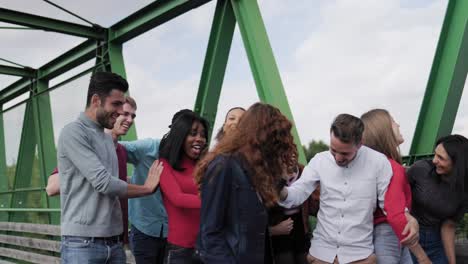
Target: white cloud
x=363, y=55
x=334, y=56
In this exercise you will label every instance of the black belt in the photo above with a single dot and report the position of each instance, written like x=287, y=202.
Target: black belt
x=99, y=240
x=110, y=240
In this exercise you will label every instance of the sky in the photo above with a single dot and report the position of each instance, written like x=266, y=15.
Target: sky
x=334, y=57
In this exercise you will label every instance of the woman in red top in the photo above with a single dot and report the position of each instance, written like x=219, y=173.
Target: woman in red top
x=179, y=151
x=392, y=237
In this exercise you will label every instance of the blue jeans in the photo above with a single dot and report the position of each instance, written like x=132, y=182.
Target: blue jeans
x=83, y=250
x=180, y=255
x=387, y=246
x=147, y=249
x=431, y=242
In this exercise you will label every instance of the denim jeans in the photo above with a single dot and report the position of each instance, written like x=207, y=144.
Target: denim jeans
x=431, y=242
x=387, y=246
x=147, y=249
x=86, y=250
x=180, y=255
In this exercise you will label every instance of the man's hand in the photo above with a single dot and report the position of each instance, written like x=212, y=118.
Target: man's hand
x=283, y=228
x=411, y=231
x=154, y=174
x=53, y=185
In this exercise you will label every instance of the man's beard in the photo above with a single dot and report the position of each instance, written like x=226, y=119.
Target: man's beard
x=104, y=118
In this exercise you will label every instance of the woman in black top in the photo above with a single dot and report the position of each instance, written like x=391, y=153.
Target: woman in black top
x=439, y=197
x=289, y=228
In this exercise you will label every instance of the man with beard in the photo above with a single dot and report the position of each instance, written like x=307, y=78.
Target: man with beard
x=121, y=127
x=90, y=188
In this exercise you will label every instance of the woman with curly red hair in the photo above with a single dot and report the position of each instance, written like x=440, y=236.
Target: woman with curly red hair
x=238, y=183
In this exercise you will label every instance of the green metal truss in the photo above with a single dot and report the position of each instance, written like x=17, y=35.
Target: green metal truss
x=259, y=53
x=44, y=132
x=65, y=62
x=117, y=65
x=24, y=165
x=4, y=197
x=49, y=24
x=262, y=61
x=446, y=81
x=216, y=58
x=438, y=111
x=150, y=17
x=37, y=134
x=17, y=71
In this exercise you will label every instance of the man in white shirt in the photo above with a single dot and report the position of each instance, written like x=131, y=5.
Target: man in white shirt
x=353, y=181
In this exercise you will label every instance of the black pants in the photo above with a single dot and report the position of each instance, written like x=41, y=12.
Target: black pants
x=180, y=255
x=147, y=249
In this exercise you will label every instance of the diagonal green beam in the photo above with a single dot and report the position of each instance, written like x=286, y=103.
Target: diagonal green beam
x=24, y=165
x=69, y=60
x=150, y=17
x=117, y=65
x=216, y=58
x=4, y=198
x=17, y=71
x=262, y=61
x=15, y=89
x=49, y=24
x=65, y=62
x=47, y=157
x=114, y=56
x=446, y=81
x=138, y=23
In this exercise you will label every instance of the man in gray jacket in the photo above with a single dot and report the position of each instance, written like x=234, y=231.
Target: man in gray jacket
x=91, y=221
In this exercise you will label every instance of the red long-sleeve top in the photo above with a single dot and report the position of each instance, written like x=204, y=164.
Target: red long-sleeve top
x=397, y=198
x=182, y=203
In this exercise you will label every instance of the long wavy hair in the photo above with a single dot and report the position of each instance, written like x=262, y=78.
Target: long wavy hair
x=378, y=133
x=263, y=139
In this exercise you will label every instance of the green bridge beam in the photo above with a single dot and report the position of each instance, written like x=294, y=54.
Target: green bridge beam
x=44, y=131
x=17, y=71
x=446, y=81
x=117, y=65
x=69, y=60
x=65, y=62
x=49, y=24
x=150, y=17
x=138, y=23
x=24, y=165
x=4, y=197
x=15, y=89
x=262, y=61
x=216, y=58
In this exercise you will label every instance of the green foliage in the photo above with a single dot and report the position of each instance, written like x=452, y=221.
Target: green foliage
x=10, y=172
x=313, y=148
x=463, y=227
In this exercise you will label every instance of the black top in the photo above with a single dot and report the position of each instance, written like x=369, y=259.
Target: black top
x=433, y=198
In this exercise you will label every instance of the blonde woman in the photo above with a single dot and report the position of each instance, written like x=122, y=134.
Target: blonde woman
x=392, y=239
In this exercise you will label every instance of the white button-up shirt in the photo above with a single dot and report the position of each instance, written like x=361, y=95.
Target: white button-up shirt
x=348, y=198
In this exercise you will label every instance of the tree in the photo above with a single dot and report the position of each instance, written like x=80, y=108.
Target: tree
x=313, y=148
